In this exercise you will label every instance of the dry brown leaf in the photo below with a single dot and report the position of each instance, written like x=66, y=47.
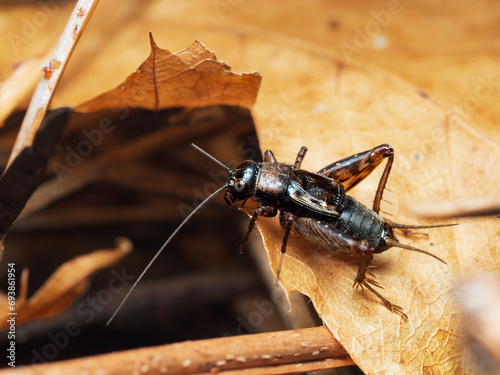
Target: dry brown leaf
x=448, y=63
x=66, y=284
x=307, y=100
x=188, y=78
x=346, y=109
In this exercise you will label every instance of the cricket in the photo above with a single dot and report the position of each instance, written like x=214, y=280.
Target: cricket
x=317, y=206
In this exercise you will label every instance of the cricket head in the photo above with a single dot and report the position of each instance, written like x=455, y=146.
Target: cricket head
x=241, y=183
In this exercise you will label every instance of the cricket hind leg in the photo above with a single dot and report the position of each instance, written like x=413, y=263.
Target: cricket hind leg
x=363, y=281
x=352, y=170
x=330, y=238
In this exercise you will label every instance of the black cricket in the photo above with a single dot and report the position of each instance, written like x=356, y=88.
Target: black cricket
x=317, y=206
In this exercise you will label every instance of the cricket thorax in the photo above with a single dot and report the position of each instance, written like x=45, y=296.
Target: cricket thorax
x=272, y=183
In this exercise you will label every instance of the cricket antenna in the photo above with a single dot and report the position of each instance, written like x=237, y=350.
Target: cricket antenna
x=163, y=247
x=209, y=156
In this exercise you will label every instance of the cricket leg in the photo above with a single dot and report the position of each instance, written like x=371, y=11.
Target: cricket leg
x=352, y=170
x=286, y=220
x=300, y=157
x=330, y=238
x=270, y=158
x=366, y=282
x=266, y=211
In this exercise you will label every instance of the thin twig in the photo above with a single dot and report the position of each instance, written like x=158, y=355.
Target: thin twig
x=282, y=352
x=19, y=84
x=53, y=70
x=465, y=207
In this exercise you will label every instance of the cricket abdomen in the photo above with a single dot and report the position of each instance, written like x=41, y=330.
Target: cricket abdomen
x=364, y=224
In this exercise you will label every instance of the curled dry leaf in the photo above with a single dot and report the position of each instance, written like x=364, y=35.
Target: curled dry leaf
x=65, y=285
x=188, y=78
x=337, y=110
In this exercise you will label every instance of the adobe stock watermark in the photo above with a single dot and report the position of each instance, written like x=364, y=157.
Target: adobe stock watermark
x=424, y=147
x=91, y=138
x=248, y=149
x=372, y=30
x=88, y=311
x=263, y=309
x=223, y=6
x=11, y=314
x=487, y=85
x=280, y=119
x=30, y=26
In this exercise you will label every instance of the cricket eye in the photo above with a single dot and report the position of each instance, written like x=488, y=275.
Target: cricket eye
x=239, y=185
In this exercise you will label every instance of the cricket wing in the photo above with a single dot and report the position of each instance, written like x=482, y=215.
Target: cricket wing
x=317, y=193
